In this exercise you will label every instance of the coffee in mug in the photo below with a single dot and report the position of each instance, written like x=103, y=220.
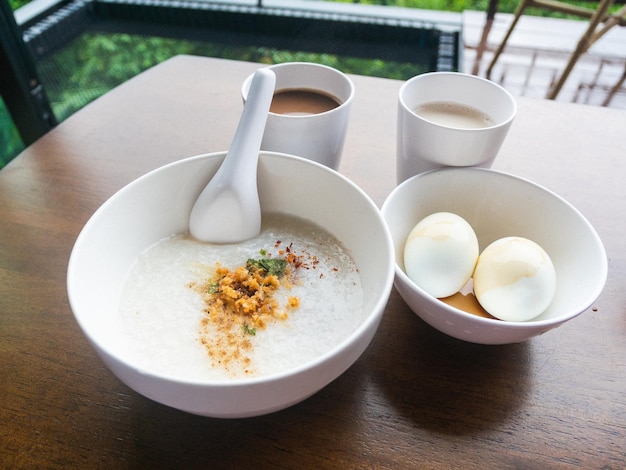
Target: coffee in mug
x=302, y=101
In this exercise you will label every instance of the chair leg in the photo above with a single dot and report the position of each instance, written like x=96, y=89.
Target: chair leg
x=617, y=19
x=482, y=45
x=615, y=89
x=583, y=44
x=518, y=13
x=492, y=7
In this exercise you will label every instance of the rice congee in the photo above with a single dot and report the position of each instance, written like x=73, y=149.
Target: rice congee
x=167, y=310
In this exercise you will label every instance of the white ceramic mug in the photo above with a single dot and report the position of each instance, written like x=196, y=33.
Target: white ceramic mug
x=318, y=137
x=425, y=144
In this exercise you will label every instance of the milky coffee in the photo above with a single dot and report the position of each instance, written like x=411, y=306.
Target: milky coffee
x=450, y=114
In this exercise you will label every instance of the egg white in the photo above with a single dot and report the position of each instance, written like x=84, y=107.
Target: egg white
x=440, y=253
x=514, y=279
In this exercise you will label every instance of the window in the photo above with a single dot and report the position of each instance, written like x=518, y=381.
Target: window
x=81, y=49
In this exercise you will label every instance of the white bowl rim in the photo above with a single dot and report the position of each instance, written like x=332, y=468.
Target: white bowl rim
x=374, y=316
x=492, y=321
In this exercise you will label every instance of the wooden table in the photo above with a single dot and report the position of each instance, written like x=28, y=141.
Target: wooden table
x=416, y=398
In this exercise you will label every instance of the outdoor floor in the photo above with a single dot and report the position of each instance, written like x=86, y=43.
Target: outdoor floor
x=537, y=52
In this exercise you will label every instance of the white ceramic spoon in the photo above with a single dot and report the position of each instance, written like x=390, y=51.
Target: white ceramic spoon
x=228, y=209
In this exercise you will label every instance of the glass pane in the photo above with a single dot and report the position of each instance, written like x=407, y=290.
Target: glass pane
x=10, y=142
x=97, y=62
x=107, y=51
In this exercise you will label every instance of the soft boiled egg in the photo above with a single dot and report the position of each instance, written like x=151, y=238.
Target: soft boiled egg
x=514, y=279
x=440, y=253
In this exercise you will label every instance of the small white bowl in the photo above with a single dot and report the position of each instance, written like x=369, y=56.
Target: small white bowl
x=496, y=205
x=158, y=205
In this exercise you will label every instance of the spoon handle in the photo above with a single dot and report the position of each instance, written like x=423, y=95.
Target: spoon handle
x=244, y=148
x=228, y=209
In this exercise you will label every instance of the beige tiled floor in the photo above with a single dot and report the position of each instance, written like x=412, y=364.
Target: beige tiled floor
x=537, y=52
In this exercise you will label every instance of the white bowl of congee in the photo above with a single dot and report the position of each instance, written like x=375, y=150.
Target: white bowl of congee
x=232, y=330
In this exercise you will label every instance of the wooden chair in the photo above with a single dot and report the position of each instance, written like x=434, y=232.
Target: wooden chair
x=600, y=21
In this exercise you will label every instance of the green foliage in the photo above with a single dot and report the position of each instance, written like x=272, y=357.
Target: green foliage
x=97, y=62
x=15, y=4
x=441, y=5
x=504, y=6
x=10, y=141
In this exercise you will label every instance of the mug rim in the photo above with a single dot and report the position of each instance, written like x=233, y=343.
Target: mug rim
x=462, y=76
x=342, y=103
